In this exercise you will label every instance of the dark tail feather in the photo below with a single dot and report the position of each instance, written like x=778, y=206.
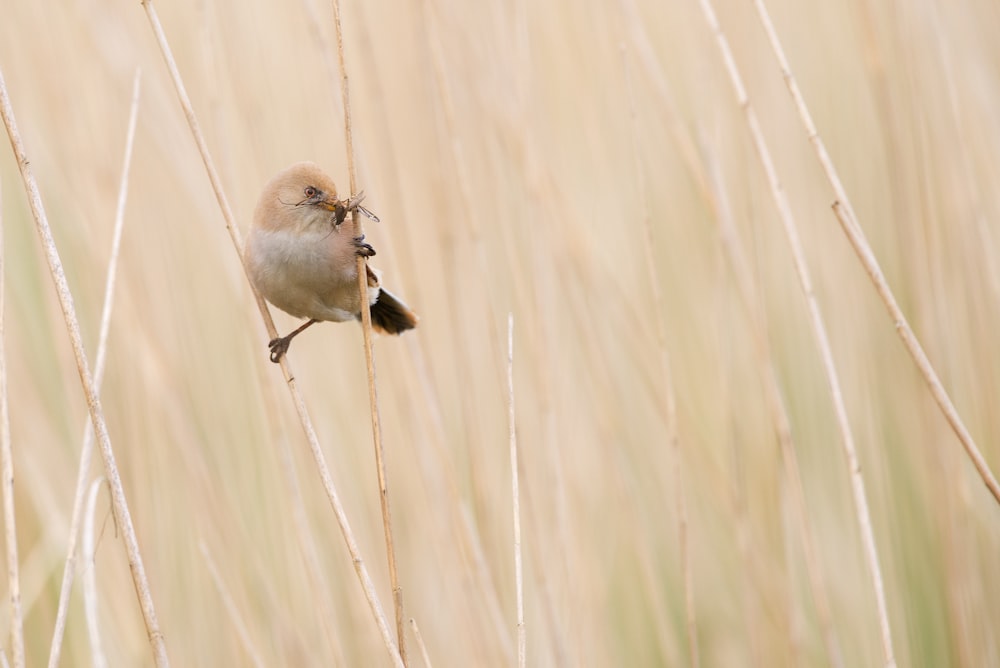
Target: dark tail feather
x=390, y=315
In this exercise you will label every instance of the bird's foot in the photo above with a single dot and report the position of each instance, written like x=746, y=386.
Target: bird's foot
x=361, y=248
x=279, y=347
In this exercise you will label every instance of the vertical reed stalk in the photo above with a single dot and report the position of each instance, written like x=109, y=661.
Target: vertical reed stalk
x=367, y=586
x=366, y=326
x=522, y=645
x=668, y=403
x=7, y=466
x=97, y=657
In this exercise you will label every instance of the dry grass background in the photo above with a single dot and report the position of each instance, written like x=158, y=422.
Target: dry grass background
x=497, y=149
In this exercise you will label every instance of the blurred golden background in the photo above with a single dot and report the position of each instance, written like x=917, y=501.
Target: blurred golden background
x=512, y=151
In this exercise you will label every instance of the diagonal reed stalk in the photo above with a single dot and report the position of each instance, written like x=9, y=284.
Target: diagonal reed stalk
x=121, y=511
x=87, y=451
x=368, y=587
x=855, y=234
x=7, y=459
x=818, y=327
x=366, y=326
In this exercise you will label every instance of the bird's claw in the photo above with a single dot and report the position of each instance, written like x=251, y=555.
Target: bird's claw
x=361, y=248
x=278, y=348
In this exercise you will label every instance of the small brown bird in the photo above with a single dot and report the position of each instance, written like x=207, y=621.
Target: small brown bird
x=301, y=260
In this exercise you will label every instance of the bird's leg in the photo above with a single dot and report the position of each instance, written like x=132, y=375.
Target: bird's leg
x=280, y=345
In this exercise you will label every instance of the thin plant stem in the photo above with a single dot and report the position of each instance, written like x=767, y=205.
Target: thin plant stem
x=318, y=579
x=7, y=465
x=119, y=503
x=366, y=326
x=234, y=611
x=818, y=327
x=420, y=643
x=534, y=287
x=845, y=215
x=468, y=540
x=742, y=276
x=307, y=544
x=97, y=657
x=87, y=451
x=361, y=570
x=712, y=194
x=522, y=645
x=669, y=397
x=461, y=171
x=685, y=146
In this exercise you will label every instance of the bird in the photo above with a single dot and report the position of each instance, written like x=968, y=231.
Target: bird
x=301, y=258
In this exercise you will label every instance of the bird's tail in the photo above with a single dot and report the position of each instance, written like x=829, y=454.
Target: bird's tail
x=390, y=315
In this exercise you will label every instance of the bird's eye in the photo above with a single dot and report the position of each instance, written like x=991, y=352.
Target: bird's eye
x=310, y=191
